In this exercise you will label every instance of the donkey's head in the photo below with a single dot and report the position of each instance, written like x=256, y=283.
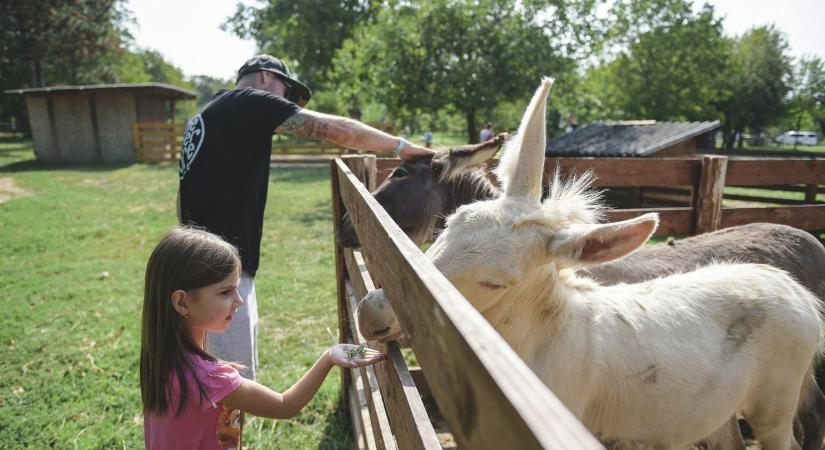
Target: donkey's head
x=504, y=248
x=419, y=193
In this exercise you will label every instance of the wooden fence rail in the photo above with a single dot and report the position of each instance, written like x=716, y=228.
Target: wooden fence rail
x=161, y=142
x=486, y=393
x=705, y=178
x=157, y=141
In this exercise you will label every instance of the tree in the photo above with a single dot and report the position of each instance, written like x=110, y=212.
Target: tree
x=674, y=70
x=807, y=100
x=207, y=86
x=305, y=32
x=51, y=41
x=757, y=82
x=438, y=54
x=44, y=42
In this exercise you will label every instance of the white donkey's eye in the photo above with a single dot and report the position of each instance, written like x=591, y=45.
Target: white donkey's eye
x=491, y=285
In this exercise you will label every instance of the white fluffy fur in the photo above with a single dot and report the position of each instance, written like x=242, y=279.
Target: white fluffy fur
x=658, y=364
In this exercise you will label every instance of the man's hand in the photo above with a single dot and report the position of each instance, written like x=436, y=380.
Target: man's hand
x=412, y=151
x=352, y=356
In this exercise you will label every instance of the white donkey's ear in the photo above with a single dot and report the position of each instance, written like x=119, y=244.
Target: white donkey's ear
x=594, y=244
x=522, y=165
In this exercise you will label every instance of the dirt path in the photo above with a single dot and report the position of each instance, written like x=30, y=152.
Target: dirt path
x=10, y=190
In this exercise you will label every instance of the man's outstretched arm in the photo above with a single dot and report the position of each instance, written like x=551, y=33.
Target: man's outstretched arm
x=347, y=133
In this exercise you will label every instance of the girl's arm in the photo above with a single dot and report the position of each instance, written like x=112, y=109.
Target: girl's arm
x=259, y=400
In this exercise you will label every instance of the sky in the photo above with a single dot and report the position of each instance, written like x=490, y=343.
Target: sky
x=187, y=32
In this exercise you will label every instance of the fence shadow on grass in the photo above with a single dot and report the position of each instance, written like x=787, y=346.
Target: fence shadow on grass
x=32, y=165
x=298, y=174
x=319, y=212
x=338, y=430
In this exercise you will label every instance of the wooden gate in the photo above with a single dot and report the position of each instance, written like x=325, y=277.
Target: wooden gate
x=157, y=141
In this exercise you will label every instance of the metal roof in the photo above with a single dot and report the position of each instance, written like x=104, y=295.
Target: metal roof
x=159, y=89
x=628, y=138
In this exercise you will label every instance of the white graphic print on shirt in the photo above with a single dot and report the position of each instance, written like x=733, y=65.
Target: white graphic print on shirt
x=193, y=137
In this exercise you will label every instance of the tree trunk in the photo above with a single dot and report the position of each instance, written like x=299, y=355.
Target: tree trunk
x=728, y=136
x=739, y=134
x=37, y=73
x=472, y=132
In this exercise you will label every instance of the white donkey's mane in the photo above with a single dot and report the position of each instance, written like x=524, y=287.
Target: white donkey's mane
x=573, y=200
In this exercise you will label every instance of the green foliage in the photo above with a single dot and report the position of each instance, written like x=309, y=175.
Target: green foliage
x=670, y=63
x=675, y=69
x=306, y=33
x=48, y=42
x=807, y=101
x=207, y=86
x=437, y=54
x=757, y=82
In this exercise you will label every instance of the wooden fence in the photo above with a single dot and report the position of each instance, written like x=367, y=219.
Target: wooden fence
x=157, y=141
x=160, y=141
x=485, y=392
x=706, y=177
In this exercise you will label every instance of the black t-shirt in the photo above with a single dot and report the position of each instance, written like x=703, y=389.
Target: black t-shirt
x=224, y=166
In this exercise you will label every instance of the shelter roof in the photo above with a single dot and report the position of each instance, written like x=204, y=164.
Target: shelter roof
x=162, y=90
x=625, y=138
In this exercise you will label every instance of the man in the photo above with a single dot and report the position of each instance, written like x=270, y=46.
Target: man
x=224, y=173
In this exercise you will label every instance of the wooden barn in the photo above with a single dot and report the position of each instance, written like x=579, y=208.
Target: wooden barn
x=638, y=138
x=96, y=123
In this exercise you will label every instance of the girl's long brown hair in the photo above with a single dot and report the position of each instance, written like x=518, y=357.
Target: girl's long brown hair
x=186, y=258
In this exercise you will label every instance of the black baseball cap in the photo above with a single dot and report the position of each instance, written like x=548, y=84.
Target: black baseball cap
x=296, y=92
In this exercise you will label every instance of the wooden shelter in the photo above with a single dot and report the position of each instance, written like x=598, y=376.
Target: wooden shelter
x=95, y=123
x=636, y=138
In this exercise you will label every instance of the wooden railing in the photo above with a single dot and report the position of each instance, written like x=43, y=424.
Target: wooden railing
x=306, y=148
x=485, y=392
x=705, y=177
x=157, y=141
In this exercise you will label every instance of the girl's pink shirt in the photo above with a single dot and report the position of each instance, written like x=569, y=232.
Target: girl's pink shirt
x=196, y=427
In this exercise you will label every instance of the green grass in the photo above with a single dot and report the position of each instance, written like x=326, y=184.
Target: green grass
x=70, y=335
x=780, y=147
x=767, y=194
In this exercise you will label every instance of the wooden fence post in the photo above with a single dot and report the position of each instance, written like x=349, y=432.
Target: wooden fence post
x=340, y=274
x=364, y=168
x=708, y=197
x=810, y=193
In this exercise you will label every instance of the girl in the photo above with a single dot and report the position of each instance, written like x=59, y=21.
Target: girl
x=191, y=400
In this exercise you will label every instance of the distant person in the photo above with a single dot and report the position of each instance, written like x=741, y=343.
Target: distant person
x=191, y=398
x=487, y=133
x=428, y=139
x=571, y=123
x=224, y=173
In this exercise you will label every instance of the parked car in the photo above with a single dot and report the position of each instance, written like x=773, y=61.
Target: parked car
x=798, y=137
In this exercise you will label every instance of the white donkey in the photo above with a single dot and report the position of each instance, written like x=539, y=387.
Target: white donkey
x=658, y=364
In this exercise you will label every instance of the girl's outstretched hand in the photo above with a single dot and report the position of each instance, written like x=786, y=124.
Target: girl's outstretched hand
x=352, y=356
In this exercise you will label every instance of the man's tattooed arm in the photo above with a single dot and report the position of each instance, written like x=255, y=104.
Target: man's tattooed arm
x=305, y=125
x=347, y=133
